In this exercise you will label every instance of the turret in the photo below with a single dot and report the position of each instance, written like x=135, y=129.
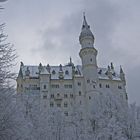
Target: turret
x=86, y=37
x=109, y=73
x=40, y=67
x=20, y=79
x=61, y=74
x=122, y=76
x=88, y=56
x=112, y=67
x=44, y=77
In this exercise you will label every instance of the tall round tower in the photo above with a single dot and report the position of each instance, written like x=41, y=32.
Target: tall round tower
x=88, y=56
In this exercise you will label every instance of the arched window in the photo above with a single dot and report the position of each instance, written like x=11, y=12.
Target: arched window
x=65, y=104
x=119, y=87
x=107, y=86
x=53, y=72
x=79, y=93
x=79, y=83
x=52, y=95
x=66, y=113
x=58, y=105
x=44, y=96
x=67, y=72
x=71, y=95
x=65, y=95
x=44, y=86
x=76, y=72
x=51, y=104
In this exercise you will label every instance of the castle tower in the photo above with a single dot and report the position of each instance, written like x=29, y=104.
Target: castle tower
x=88, y=56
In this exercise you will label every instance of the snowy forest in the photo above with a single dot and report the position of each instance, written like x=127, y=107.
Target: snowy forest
x=22, y=119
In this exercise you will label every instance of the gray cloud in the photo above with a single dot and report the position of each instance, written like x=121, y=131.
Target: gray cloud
x=3, y=0
x=114, y=31
x=51, y=30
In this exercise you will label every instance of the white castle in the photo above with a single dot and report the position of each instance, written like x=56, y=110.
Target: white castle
x=70, y=86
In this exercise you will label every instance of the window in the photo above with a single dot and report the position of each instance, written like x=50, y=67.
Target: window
x=94, y=86
x=55, y=86
x=89, y=97
x=66, y=113
x=88, y=81
x=52, y=95
x=26, y=88
x=76, y=72
x=126, y=96
x=58, y=94
x=65, y=95
x=58, y=105
x=44, y=96
x=80, y=102
x=33, y=87
x=107, y=86
x=100, y=85
x=91, y=60
x=114, y=74
x=44, y=86
x=53, y=72
x=51, y=104
x=83, y=26
x=79, y=93
x=110, y=137
x=119, y=87
x=79, y=83
x=71, y=95
x=67, y=72
x=100, y=72
x=65, y=104
x=68, y=86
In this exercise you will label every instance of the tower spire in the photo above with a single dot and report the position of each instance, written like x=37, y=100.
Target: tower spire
x=122, y=75
x=121, y=70
x=85, y=25
x=86, y=35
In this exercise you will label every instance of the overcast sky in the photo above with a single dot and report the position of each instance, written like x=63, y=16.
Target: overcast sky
x=47, y=31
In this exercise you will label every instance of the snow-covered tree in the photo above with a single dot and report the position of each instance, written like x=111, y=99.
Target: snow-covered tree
x=7, y=59
x=112, y=119
x=131, y=124
x=12, y=122
x=109, y=111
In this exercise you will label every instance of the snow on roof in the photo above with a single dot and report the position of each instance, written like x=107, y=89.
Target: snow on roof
x=67, y=72
x=34, y=71
x=102, y=74
x=44, y=71
x=54, y=71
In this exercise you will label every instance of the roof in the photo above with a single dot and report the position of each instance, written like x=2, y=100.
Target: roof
x=102, y=74
x=85, y=32
x=66, y=71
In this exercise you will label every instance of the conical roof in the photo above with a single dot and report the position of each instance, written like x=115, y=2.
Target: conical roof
x=85, y=32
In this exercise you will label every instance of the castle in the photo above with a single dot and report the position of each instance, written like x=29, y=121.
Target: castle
x=67, y=86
